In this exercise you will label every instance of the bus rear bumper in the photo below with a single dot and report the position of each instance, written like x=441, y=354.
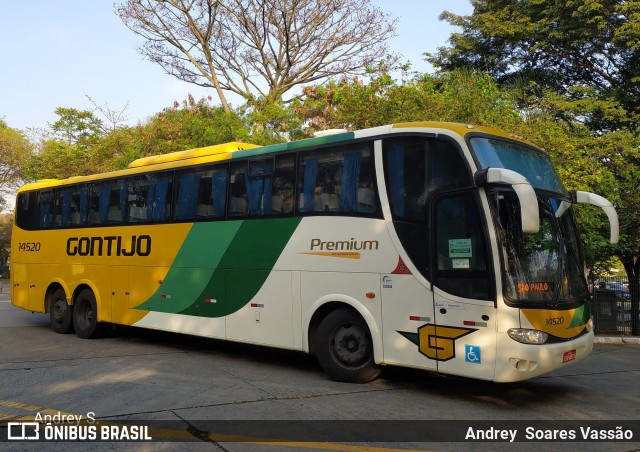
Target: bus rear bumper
x=517, y=362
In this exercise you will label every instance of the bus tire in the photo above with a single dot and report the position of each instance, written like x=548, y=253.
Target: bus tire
x=344, y=347
x=60, y=313
x=85, y=315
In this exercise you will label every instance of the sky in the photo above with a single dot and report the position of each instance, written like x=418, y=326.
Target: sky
x=56, y=53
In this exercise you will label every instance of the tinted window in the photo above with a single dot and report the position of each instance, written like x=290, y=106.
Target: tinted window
x=107, y=202
x=70, y=207
x=338, y=180
x=283, y=189
x=262, y=186
x=26, y=210
x=201, y=193
x=149, y=198
x=415, y=169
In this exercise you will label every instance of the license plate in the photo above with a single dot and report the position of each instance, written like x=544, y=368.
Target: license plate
x=569, y=356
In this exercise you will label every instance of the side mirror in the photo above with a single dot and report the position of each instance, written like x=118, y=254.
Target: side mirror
x=604, y=204
x=529, y=213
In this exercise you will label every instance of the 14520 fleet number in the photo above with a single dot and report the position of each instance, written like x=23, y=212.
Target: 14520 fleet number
x=29, y=246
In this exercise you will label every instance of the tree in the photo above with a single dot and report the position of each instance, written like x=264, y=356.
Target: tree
x=459, y=96
x=622, y=159
x=258, y=48
x=80, y=127
x=184, y=125
x=190, y=124
x=57, y=159
x=15, y=149
x=6, y=223
x=64, y=150
x=565, y=45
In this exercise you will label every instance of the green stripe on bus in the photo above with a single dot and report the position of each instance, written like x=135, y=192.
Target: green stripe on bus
x=193, y=266
x=294, y=145
x=580, y=317
x=233, y=262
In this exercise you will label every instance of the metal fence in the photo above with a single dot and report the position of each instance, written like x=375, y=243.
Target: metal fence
x=611, y=306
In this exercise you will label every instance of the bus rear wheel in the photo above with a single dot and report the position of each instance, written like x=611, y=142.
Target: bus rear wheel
x=60, y=313
x=85, y=315
x=344, y=347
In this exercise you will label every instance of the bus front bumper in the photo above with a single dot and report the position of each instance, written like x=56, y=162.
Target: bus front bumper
x=516, y=361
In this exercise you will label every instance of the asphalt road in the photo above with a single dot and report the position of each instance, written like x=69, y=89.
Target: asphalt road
x=212, y=395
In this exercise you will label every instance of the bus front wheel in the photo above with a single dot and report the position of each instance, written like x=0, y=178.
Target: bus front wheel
x=60, y=313
x=344, y=347
x=85, y=315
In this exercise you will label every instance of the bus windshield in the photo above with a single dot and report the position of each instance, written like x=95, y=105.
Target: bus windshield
x=543, y=268
x=538, y=269
x=531, y=163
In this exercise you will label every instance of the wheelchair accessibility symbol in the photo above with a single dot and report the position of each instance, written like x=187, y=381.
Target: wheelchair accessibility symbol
x=472, y=354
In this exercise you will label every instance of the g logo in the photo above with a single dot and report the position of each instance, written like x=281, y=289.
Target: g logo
x=437, y=342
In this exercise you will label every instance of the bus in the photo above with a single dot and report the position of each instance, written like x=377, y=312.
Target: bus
x=445, y=247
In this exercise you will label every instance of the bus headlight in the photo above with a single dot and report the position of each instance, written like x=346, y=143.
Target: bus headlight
x=528, y=336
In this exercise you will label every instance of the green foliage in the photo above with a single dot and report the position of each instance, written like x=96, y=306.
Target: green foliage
x=6, y=223
x=74, y=126
x=58, y=160
x=271, y=122
x=15, y=149
x=191, y=124
x=459, y=96
x=66, y=148
x=558, y=44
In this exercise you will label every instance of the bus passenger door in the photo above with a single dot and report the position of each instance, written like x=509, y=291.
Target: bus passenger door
x=464, y=334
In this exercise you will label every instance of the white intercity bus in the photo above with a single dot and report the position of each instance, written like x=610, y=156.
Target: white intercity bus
x=438, y=246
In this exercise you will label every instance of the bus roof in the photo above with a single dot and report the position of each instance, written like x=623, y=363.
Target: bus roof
x=235, y=149
x=189, y=154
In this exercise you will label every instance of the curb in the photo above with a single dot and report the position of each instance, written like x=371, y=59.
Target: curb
x=616, y=340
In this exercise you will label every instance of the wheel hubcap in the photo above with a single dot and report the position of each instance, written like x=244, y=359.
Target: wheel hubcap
x=87, y=315
x=350, y=344
x=59, y=311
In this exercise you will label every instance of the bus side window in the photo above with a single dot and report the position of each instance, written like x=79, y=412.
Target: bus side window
x=201, y=194
x=238, y=205
x=258, y=180
x=80, y=206
x=137, y=194
x=107, y=202
x=27, y=210
x=149, y=198
x=67, y=208
x=338, y=180
x=367, y=192
x=159, y=197
x=283, y=189
x=187, y=200
x=45, y=210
